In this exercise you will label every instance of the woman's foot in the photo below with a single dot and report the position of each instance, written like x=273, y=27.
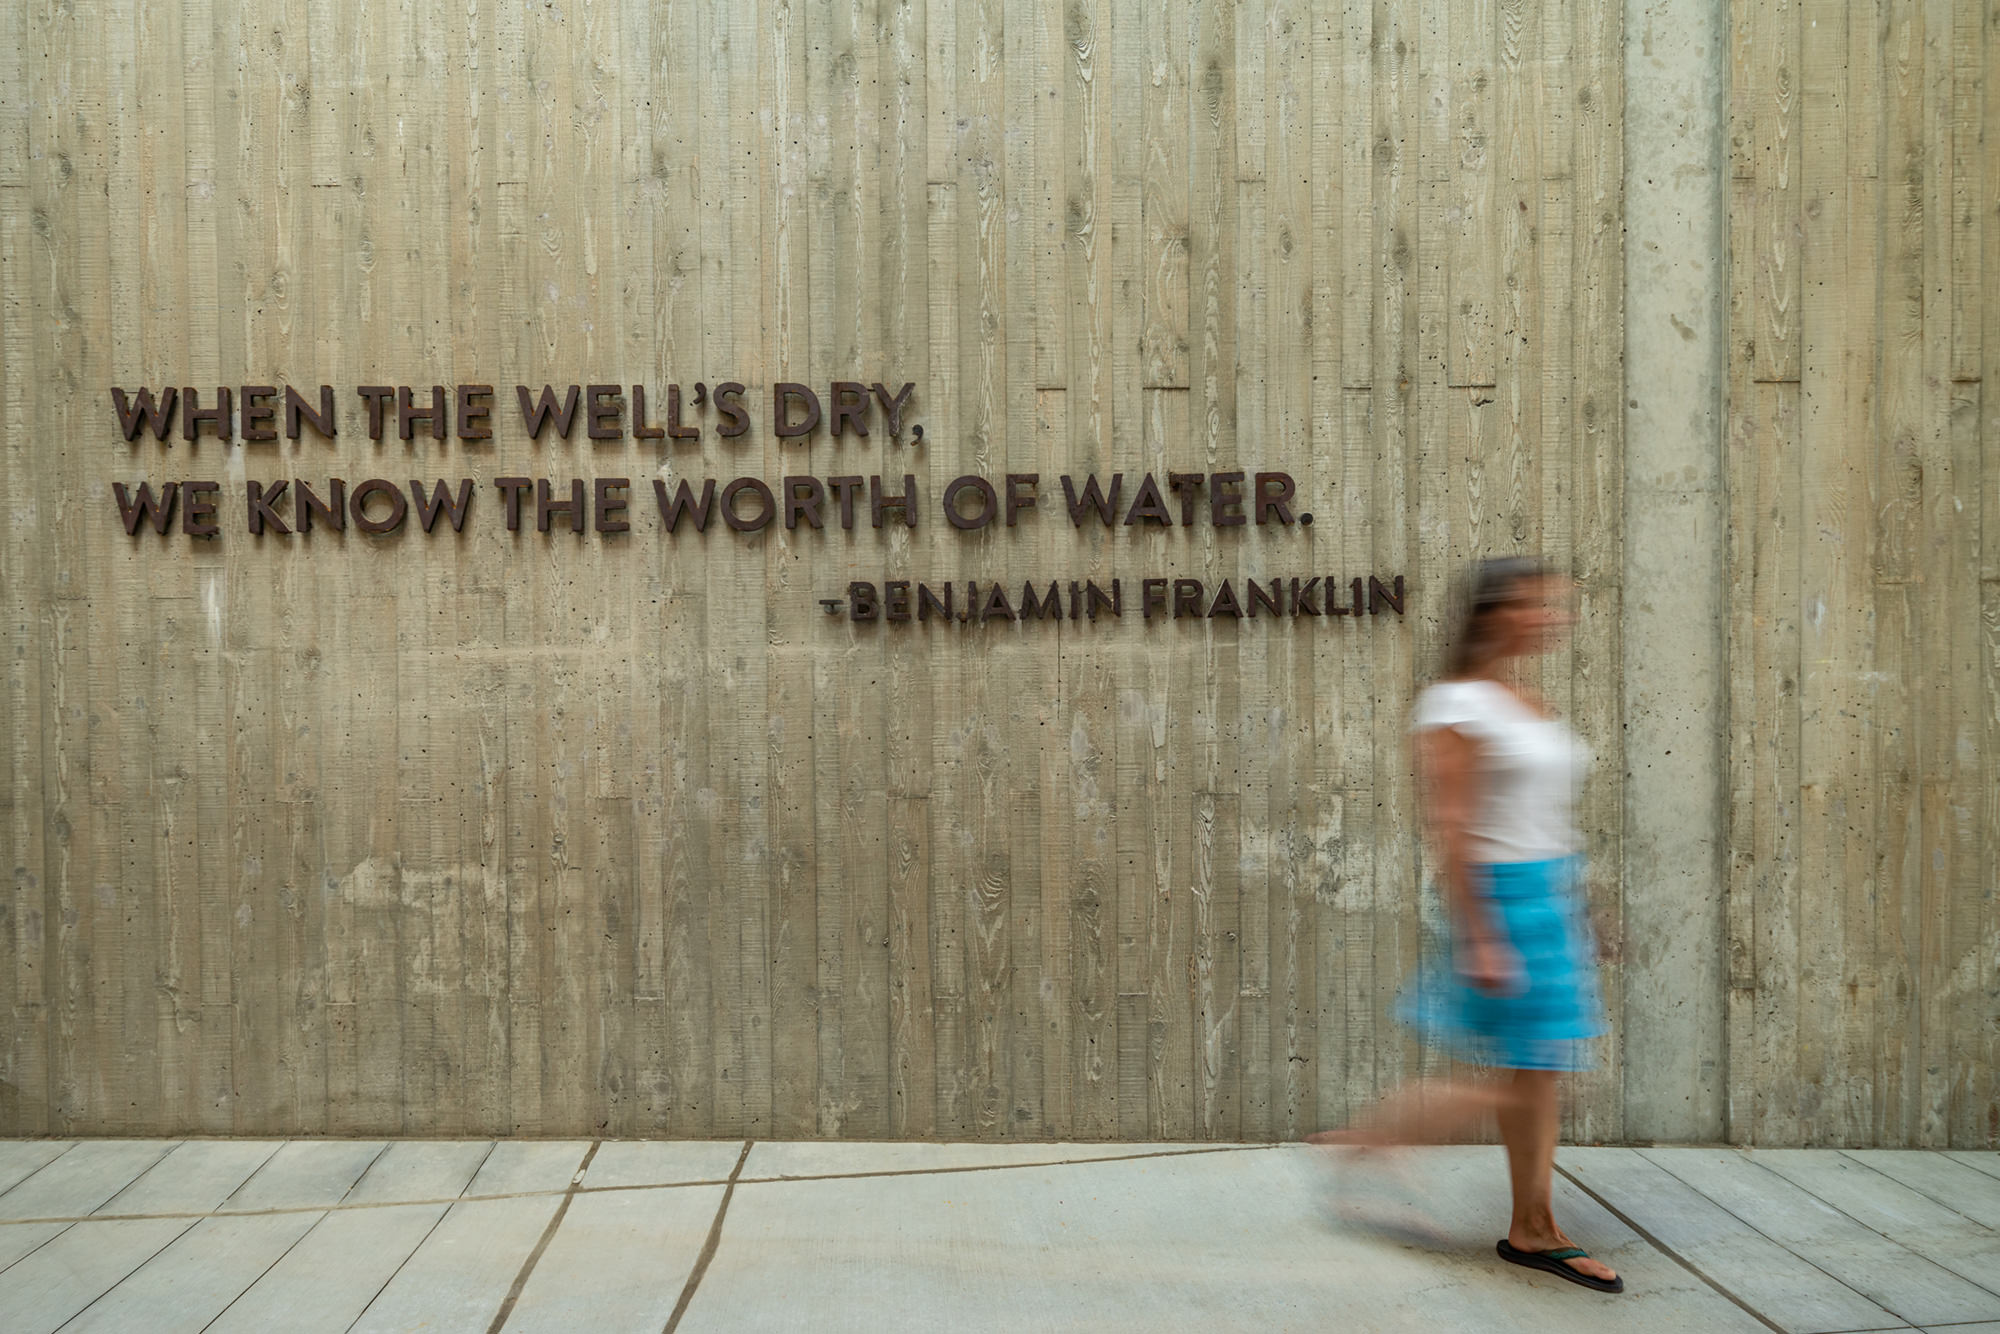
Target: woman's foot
x=1553, y=1238
x=1371, y=1188
x=1370, y=1137
x=1348, y=1139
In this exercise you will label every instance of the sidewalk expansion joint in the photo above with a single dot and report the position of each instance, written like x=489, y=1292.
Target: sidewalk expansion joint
x=1012, y=1167
x=548, y=1235
x=345, y=1206
x=708, y=1247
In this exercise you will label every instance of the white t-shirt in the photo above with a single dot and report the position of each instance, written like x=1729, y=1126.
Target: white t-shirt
x=1532, y=767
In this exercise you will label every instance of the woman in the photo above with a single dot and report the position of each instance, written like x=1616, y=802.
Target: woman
x=1520, y=994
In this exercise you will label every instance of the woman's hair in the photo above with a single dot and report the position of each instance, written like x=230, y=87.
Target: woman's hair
x=1490, y=586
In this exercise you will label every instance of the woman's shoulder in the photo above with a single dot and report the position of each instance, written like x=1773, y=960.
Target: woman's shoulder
x=1455, y=702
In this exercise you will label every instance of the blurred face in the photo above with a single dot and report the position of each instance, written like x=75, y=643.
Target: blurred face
x=1534, y=619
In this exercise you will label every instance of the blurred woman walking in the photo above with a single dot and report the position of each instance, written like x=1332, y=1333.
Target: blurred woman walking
x=1517, y=989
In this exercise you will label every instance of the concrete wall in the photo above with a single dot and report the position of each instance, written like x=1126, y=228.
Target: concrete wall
x=511, y=831
x=1864, y=574
x=1674, y=658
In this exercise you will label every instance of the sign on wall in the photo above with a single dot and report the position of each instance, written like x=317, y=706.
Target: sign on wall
x=610, y=507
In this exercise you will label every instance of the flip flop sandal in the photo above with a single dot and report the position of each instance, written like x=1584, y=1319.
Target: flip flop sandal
x=1552, y=1261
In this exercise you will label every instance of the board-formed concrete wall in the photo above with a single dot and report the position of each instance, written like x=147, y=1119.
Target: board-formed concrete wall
x=516, y=829
x=1863, y=482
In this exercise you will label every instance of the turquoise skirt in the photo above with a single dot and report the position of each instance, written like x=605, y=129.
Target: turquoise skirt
x=1548, y=1023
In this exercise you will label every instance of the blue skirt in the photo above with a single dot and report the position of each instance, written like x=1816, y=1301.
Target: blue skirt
x=1549, y=1022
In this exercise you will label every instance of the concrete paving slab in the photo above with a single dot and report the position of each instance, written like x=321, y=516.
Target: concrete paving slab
x=872, y=1236
x=1252, y=1240
x=1440, y=1197
x=456, y=1280
x=82, y=1179
x=619, y=1262
x=22, y=1158
x=328, y=1279
x=194, y=1177
x=1984, y=1160
x=1954, y=1184
x=187, y=1285
x=1785, y=1289
x=60, y=1279
x=307, y=1174
x=1941, y=1235
x=54, y=1281
x=66, y=1187
x=793, y=1159
x=421, y=1170
x=19, y=1240
x=1899, y=1280
x=624, y=1162
x=518, y=1166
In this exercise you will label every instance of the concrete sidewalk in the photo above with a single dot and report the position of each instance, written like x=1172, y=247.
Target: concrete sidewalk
x=650, y=1236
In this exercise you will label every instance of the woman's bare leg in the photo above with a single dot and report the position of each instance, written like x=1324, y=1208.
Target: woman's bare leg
x=1529, y=1123
x=1431, y=1112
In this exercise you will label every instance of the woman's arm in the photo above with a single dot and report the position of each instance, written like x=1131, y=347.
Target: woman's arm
x=1450, y=764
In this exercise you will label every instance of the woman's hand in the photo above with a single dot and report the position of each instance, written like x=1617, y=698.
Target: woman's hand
x=1490, y=966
